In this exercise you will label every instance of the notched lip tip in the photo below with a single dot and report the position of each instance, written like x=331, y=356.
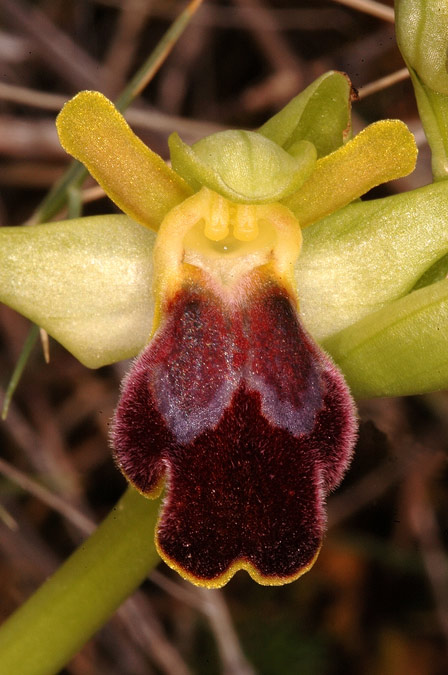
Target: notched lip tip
x=240, y=564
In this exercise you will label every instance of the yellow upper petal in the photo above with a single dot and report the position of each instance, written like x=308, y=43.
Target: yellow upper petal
x=138, y=180
x=383, y=151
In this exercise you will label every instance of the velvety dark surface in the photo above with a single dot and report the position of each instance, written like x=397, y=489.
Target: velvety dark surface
x=251, y=424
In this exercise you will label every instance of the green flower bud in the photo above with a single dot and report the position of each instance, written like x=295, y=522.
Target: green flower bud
x=422, y=35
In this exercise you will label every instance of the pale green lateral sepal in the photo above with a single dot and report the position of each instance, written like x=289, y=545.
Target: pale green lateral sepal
x=243, y=166
x=319, y=114
x=87, y=281
x=399, y=350
x=365, y=256
x=138, y=180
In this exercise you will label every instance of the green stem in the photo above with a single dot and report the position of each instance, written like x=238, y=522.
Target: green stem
x=157, y=57
x=18, y=370
x=74, y=176
x=42, y=636
x=74, y=199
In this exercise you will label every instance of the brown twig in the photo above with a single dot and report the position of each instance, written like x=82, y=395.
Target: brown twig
x=371, y=7
x=215, y=608
x=383, y=83
x=286, y=80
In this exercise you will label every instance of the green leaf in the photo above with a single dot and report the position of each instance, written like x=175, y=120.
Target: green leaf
x=243, y=165
x=367, y=255
x=319, y=114
x=401, y=349
x=87, y=281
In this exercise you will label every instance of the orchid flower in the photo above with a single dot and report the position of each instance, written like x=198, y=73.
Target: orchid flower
x=231, y=273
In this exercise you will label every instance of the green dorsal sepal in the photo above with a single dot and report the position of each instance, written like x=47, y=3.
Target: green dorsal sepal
x=319, y=114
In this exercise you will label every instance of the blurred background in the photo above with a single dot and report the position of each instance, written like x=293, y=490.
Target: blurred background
x=376, y=602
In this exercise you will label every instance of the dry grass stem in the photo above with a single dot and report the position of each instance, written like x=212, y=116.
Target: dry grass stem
x=377, y=9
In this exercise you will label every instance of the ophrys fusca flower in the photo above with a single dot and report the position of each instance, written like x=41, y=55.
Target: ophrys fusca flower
x=231, y=407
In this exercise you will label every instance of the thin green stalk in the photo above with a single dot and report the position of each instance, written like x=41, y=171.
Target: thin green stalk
x=56, y=199
x=157, y=56
x=43, y=635
x=18, y=370
x=74, y=199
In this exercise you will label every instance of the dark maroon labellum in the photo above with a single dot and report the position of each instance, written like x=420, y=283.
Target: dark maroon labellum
x=249, y=422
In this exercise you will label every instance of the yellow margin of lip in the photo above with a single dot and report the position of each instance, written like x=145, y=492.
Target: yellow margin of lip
x=154, y=493
x=224, y=578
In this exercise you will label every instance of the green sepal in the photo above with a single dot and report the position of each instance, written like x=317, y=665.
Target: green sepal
x=399, y=350
x=319, y=114
x=435, y=273
x=87, y=281
x=243, y=166
x=363, y=257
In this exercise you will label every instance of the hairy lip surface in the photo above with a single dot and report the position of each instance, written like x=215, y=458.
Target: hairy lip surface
x=250, y=423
